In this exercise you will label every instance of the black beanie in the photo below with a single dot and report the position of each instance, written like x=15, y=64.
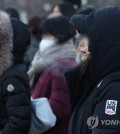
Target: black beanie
x=21, y=40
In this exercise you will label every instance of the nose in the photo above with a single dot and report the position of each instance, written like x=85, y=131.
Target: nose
x=82, y=49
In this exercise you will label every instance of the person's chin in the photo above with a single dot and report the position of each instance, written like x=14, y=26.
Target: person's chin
x=84, y=58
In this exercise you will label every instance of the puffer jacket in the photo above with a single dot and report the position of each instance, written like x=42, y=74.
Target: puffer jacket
x=15, y=107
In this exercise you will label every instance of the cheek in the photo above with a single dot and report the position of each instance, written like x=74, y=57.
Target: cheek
x=78, y=49
x=83, y=58
x=86, y=50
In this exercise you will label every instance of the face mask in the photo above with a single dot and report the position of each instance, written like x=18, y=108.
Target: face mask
x=45, y=43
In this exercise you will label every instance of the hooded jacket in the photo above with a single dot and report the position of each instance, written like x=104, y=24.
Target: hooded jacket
x=13, y=13
x=21, y=40
x=102, y=27
x=14, y=97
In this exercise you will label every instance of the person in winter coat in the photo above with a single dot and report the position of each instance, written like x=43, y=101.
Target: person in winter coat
x=12, y=12
x=34, y=27
x=101, y=104
x=63, y=9
x=15, y=109
x=21, y=40
x=55, y=57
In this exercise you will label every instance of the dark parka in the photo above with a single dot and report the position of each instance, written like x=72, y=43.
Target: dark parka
x=103, y=29
x=15, y=109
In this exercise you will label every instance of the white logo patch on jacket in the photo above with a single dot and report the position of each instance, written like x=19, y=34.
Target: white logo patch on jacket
x=111, y=106
x=10, y=88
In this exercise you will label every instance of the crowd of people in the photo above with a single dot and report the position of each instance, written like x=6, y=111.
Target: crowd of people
x=59, y=71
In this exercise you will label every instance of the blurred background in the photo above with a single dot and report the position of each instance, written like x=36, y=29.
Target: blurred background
x=30, y=8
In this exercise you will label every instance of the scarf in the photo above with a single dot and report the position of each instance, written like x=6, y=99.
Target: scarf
x=43, y=60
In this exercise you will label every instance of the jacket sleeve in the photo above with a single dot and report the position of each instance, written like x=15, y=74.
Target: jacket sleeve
x=108, y=110
x=60, y=99
x=18, y=107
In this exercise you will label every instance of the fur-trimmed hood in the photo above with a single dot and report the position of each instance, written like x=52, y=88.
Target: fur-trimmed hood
x=6, y=36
